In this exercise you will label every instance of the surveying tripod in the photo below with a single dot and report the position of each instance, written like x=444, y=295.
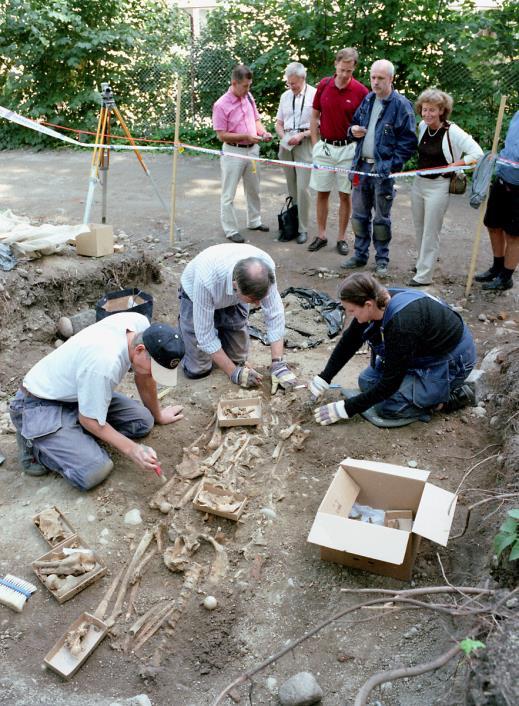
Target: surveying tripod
x=101, y=153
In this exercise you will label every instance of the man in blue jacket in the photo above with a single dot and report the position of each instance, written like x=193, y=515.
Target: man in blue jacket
x=384, y=127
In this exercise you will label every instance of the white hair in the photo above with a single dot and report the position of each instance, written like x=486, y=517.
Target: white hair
x=385, y=65
x=295, y=69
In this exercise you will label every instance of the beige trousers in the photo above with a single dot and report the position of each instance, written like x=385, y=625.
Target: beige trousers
x=298, y=179
x=429, y=201
x=234, y=169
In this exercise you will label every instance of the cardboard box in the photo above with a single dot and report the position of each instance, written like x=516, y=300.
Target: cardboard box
x=380, y=550
x=98, y=242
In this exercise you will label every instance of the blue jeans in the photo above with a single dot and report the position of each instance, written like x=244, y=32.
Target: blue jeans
x=372, y=194
x=424, y=388
x=61, y=444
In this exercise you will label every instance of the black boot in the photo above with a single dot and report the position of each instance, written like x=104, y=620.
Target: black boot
x=499, y=284
x=460, y=397
x=493, y=272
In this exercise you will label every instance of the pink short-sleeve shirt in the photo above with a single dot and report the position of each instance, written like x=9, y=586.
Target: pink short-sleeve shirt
x=233, y=114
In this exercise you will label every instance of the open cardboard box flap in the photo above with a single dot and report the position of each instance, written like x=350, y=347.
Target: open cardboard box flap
x=389, y=469
x=433, y=519
x=372, y=541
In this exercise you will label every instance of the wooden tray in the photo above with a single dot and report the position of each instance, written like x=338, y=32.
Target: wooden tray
x=86, y=579
x=67, y=527
x=218, y=491
x=61, y=660
x=254, y=403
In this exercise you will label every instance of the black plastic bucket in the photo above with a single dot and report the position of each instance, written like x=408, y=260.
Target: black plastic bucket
x=133, y=299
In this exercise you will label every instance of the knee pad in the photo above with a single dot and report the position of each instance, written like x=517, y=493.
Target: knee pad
x=381, y=232
x=97, y=475
x=360, y=228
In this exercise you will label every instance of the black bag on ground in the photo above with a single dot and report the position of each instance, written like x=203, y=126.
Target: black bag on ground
x=288, y=221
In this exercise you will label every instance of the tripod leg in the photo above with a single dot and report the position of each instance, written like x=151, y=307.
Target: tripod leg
x=103, y=168
x=139, y=156
x=103, y=116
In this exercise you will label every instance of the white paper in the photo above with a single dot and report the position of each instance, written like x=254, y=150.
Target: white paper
x=284, y=142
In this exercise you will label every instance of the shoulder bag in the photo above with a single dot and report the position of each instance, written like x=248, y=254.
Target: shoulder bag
x=458, y=180
x=288, y=221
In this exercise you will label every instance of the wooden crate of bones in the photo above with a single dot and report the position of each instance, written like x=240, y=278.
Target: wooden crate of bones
x=68, y=568
x=240, y=411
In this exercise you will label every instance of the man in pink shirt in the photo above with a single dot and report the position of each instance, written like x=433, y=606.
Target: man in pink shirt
x=237, y=124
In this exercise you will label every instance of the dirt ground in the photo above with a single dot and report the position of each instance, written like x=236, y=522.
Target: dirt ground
x=273, y=587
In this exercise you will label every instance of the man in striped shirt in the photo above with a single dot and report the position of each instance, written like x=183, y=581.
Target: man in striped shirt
x=217, y=287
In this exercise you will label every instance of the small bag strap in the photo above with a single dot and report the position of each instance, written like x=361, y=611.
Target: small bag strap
x=449, y=141
x=288, y=203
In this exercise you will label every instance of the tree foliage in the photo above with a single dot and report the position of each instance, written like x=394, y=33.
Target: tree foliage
x=54, y=54
x=467, y=53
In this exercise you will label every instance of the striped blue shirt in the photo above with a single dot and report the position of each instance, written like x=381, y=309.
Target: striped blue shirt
x=207, y=281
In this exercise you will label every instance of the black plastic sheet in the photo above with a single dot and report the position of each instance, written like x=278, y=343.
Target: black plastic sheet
x=330, y=309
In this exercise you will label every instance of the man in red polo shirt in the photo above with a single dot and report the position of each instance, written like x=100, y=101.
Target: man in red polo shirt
x=335, y=102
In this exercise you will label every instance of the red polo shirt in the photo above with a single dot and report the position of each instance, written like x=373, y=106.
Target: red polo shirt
x=337, y=106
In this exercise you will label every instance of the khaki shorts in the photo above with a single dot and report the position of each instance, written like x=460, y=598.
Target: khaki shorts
x=327, y=155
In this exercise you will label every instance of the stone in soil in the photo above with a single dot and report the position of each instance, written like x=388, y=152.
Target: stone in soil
x=300, y=690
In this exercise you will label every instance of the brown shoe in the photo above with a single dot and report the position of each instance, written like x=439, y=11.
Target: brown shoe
x=317, y=244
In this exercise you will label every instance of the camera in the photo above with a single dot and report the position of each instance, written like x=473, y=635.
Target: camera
x=107, y=95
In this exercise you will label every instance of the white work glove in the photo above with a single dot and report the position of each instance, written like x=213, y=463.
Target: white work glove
x=317, y=388
x=330, y=413
x=281, y=376
x=245, y=377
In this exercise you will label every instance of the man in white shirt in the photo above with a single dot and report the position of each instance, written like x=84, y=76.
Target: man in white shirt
x=293, y=129
x=216, y=289
x=68, y=399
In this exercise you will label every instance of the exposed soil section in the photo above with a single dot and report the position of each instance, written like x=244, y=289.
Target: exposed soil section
x=275, y=587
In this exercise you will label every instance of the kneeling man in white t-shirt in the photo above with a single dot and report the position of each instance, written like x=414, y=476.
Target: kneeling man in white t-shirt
x=67, y=401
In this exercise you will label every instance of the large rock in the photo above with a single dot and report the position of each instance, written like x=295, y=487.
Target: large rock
x=300, y=690
x=478, y=383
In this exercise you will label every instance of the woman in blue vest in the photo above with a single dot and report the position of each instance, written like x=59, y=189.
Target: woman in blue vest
x=421, y=354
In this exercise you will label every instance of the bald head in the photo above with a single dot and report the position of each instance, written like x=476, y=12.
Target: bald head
x=252, y=278
x=381, y=75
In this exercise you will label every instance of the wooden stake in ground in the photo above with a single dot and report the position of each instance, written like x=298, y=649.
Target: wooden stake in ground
x=173, y=209
x=483, y=207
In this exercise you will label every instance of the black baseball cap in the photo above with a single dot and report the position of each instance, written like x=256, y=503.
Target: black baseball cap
x=166, y=348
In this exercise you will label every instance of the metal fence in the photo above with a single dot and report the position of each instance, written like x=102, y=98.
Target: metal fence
x=205, y=71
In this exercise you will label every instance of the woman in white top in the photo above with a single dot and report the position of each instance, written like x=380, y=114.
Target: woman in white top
x=440, y=143
x=293, y=129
